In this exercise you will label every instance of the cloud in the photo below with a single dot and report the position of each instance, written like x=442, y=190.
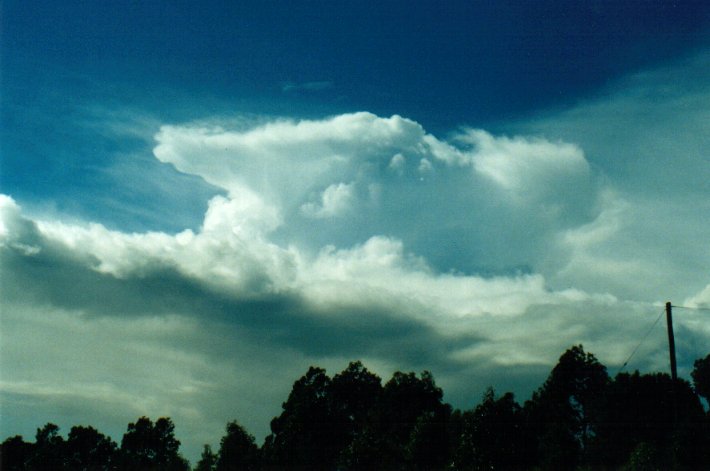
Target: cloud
x=404, y=182
x=285, y=159
x=314, y=86
x=701, y=299
x=531, y=169
x=647, y=135
x=480, y=257
x=335, y=201
x=216, y=324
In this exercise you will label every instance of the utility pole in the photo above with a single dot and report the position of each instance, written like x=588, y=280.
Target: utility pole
x=671, y=340
x=671, y=349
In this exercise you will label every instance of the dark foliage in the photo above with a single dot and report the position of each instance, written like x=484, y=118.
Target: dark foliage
x=405, y=428
x=49, y=448
x=493, y=436
x=306, y=434
x=15, y=453
x=701, y=377
x=84, y=450
x=208, y=460
x=87, y=449
x=430, y=445
x=237, y=450
x=148, y=446
x=578, y=419
x=354, y=394
x=643, y=411
x=563, y=414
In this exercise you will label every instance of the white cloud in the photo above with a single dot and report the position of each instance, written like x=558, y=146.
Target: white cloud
x=369, y=271
x=528, y=168
x=397, y=163
x=490, y=204
x=13, y=228
x=480, y=193
x=425, y=167
x=232, y=255
x=701, y=299
x=334, y=201
x=284, y=159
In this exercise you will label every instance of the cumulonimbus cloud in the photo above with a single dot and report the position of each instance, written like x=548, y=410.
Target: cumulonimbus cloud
x=354, y=236
x=389, y=177
x=286, y=204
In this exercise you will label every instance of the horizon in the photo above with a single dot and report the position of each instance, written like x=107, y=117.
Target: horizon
x=621, y=378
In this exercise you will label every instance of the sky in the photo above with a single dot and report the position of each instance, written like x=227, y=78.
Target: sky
x=199, y=200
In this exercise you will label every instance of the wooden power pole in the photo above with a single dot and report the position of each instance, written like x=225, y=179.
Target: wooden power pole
x=671, y=340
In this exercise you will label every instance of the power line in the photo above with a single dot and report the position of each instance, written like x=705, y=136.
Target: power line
x=692, y=308
x=642, y=340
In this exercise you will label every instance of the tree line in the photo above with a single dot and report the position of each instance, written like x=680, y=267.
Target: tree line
x=580, y=418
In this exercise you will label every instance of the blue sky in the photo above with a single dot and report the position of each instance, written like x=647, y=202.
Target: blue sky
x=464, y=63
x=200, y=200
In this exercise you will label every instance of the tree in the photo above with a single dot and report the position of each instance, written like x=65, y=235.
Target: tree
x=651, y=410
x=429, y=447
x=400, y=425
x=306, y=434
x=354, y=393
x=49, y=450
x=406, y=398
x=643, y=458
x=15, y=453
x=208, y=460
x=565, y=410
x=148, y=446
x=87, y=449
x=237, y=451
x=492, y=435
x=371, y=449
x=701, y=377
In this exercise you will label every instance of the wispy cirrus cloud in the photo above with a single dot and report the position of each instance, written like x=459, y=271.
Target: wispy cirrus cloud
x=314, y=86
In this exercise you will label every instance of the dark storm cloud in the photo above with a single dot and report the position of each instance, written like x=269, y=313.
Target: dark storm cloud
x=51, y=275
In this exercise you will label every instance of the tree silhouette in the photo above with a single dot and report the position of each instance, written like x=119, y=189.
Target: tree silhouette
x=429, y=446
x=701, y=377
x=15, y=453
x=148, y=446
x=642, y=411
x=578, y=419
x=406, y=398
x=564, y=412
x=389, y=438
x=237, y=451
x=48, y=449
x=493, y=435
x=354, y=393
x=208, y=460
x=701, y=383
x=87, y=449
x=644, y=457
x=305, y=435
x=371, y=449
